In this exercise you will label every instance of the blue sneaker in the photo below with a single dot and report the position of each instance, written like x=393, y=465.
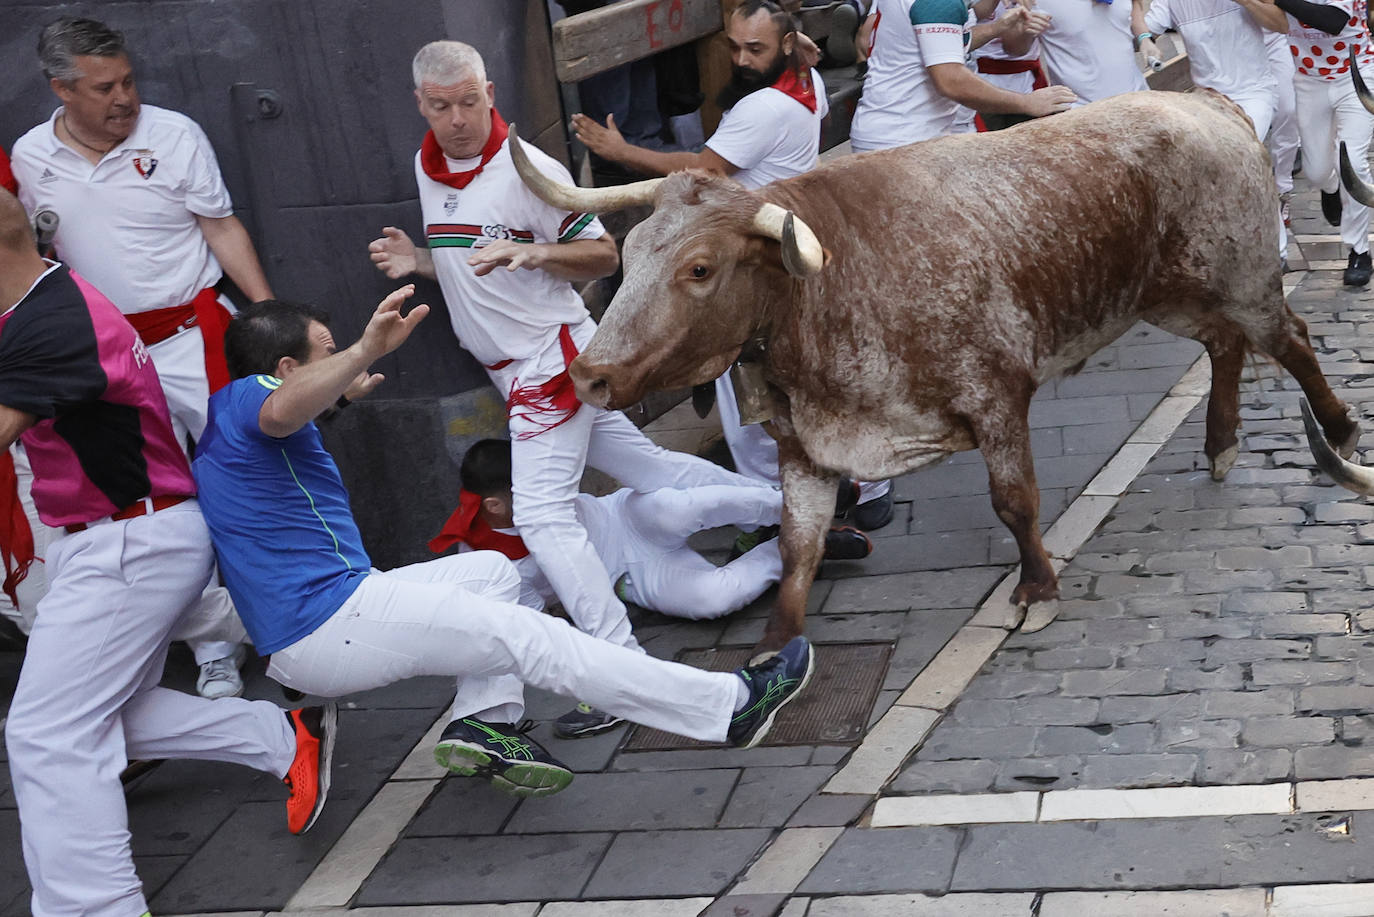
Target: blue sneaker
x=773, y=684
x=512, y=761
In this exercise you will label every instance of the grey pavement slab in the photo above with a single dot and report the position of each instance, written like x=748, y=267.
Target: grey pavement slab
x=674, y=863
x=443, y=870
x=865, y=860
x=768, y=796
x=630, y=801
x=463, y=806
x=830, y=810
x=1165, y=853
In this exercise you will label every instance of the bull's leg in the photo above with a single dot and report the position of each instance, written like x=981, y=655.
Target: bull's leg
x=1226, y=347
x=1293, y=350
x=808, y=505
x=1003, y=435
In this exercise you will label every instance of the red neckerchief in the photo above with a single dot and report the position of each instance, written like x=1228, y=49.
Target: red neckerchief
x=467, y=525
x=16, y=536
x=432, y=156
x=798, y=86
x=6, y=175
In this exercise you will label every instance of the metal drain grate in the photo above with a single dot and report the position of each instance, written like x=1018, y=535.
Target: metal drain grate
x=833, y=710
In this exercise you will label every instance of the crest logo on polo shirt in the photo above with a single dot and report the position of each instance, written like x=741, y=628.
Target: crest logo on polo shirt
x=450, y=203
x=145, y=163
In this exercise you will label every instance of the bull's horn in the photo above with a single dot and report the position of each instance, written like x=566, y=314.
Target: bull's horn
x=802, y=254
x=1347, y=474
x=571, y=197
x=1361, y=89
x=1353, y=183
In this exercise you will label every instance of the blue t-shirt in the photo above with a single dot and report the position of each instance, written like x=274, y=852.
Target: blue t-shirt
x=279, y=517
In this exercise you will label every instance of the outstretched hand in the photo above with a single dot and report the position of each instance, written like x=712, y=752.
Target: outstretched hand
x=388, y=329
x=605, y=141
x=393, y=254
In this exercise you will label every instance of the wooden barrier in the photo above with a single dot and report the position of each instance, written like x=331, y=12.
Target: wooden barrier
x=603, y=39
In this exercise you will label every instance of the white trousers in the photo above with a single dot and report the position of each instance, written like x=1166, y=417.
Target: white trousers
x=211, y=627
x=546, y=471
x=667, y=576
x=456, y=616
x=1260, y=107
x=756, y=453
x=34, y=585
x=1329, y=112
x=1283, y=133
x=88, y=701
x=180, y=363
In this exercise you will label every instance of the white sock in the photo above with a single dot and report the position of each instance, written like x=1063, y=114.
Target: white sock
x=741, y=695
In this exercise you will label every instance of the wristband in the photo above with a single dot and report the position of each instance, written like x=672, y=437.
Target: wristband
x=342, y=403
x=1141, y=37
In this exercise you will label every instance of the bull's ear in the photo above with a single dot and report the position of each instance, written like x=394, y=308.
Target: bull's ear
x=802, y=254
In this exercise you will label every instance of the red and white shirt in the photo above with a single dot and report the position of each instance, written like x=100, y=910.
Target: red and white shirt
x=505, y=315
x=1327, y=57
x=128, y=223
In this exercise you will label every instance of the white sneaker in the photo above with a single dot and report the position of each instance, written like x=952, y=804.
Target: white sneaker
x=220, y=677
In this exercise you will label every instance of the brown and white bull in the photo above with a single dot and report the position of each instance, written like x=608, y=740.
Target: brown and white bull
x=957, y=275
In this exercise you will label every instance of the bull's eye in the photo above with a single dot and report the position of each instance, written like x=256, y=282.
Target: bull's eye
x=699, y=271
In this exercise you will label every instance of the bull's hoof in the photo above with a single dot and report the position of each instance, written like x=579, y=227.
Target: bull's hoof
x=1224, y=461
x=1040, y=615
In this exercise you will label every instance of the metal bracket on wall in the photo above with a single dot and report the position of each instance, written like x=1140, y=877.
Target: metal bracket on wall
x=269, y=104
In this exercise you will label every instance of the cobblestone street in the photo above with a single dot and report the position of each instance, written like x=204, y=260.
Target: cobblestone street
x=1188, y=738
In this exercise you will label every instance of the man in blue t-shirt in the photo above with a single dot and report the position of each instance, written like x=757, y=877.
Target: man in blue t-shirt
x=295, y=565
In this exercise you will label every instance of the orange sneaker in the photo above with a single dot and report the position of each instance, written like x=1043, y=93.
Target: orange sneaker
x=308, y=778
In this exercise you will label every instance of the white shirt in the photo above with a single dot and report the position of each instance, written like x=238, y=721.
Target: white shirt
x=128, y=223
x=505, y=315
x=1226, y=47
x=1015, y=82
x=1088, y=48
x=769, y=135
x=900, y=104
x=1327, y=57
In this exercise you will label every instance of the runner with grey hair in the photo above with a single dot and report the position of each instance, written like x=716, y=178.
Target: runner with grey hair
x=62, y=42
x=445, y=63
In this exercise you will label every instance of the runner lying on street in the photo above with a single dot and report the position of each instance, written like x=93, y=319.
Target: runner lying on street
x=641, y=538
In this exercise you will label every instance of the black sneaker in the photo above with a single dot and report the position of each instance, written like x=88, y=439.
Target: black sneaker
x=772, y=683
x=584, y=720
x=513, y=762
x=844, y=26
x=1331, y=207
x=844, y=542
x=1357, y=270
x=873, y=514
x=846, y=496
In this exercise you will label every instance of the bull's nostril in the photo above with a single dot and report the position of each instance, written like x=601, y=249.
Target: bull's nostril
x=600, y=386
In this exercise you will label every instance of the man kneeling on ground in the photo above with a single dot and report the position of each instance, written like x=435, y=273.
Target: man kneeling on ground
x=294, y=562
